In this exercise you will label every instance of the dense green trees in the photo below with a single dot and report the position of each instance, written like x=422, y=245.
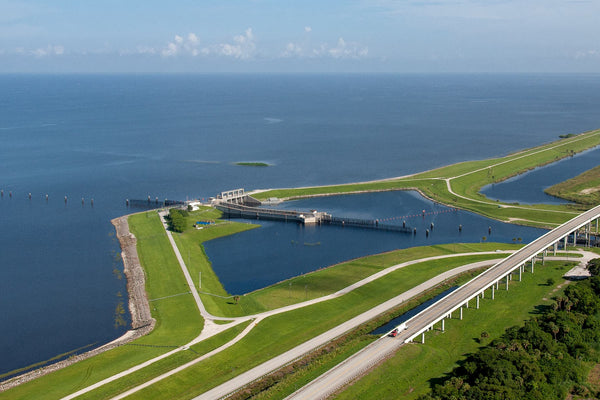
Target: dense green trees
x=176, y=219
x=543, y=359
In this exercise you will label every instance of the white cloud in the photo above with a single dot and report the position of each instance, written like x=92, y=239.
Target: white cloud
x=292, y=50
x=45, y=51
x=307, y=29
x=192, y=38
x=145, y=50
x=242, y=47
x=348, y=50
x=587, y=54
x=181, y=45
x=341, y=50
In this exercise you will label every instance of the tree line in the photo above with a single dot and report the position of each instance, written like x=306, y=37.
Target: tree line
x=176, y=219
x=543, y=359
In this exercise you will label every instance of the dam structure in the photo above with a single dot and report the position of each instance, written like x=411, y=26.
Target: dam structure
x=238, y=204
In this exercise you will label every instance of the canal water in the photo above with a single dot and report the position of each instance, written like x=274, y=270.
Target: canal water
x=278, y=250
x=528, y=188
x=409, y=314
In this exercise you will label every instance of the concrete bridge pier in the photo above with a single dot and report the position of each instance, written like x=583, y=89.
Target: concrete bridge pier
x=493, y=292
x=443, y=326
x=477, y=297
x=555, y=248
x=461, y=313
x=520, y=272
x=507, y=281
x=588, y=229
x=533, y=262
x=544, y=254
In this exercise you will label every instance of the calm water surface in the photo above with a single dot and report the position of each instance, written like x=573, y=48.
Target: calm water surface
x=243, y=265
x=112, y=137
x=528, y=188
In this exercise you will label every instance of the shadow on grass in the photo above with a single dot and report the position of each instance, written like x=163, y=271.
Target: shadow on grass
x=540, y=309
x=440, y=380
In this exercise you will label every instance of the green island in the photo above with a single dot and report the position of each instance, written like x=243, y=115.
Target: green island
x=408, y=374
x=252, y=164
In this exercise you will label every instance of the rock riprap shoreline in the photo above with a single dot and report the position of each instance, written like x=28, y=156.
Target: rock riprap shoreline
x=142, y=322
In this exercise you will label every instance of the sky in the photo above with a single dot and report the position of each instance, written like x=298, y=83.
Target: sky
x=280, y=36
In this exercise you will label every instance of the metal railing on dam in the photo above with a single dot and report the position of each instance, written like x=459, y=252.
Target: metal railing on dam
x=308, y=217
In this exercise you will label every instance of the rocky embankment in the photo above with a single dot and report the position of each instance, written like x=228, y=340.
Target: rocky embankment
x=141, y=319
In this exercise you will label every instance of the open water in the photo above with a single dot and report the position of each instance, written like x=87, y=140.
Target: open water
x=112, y=137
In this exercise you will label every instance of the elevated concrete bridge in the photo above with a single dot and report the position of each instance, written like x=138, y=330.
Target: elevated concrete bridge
x=474, y=290
x=515, y=264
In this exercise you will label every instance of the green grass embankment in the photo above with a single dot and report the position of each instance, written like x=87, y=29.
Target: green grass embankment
x=583, y=189
x=331, y=279
x=292, y=328
x=468, y=179
x=112, y=389
x=178, y=320
x=321, y=360
x=414, y=368
x=190, y=243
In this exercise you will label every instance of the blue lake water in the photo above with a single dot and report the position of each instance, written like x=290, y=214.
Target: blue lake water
x=528, y=188
x=295, y=249
x=112, y=137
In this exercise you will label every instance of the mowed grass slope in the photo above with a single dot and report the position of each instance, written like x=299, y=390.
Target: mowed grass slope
x=584, y=188
x=469, y=177
x=415, y=367
x=281, y=332
x=178, y=320
x=331, y=279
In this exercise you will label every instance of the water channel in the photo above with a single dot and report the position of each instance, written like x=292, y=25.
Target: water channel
x=277, y=250
x=528, y=188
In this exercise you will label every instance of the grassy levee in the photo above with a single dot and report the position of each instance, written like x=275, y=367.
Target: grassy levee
x=190, y=244
x=469, y=177
x=121, y=385
x=415, y=367
x=331, y=279
x=394, y=184
x=584, y=188
x=304, y=371
x=520, y=161
x=177, y=321
x=287, y=330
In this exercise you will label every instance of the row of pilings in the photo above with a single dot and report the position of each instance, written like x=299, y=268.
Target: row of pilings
x=45, y=197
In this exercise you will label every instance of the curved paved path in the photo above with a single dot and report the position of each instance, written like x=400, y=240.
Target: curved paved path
x=362, y=361
x=300, y=350
x=211, y=328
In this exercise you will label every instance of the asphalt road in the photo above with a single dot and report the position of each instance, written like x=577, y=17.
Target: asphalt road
x=356, y=365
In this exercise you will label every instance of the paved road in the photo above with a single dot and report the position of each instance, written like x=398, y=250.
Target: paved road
x=356, y=365
x=298, y=351
x=362, y=361
x=265, y=368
